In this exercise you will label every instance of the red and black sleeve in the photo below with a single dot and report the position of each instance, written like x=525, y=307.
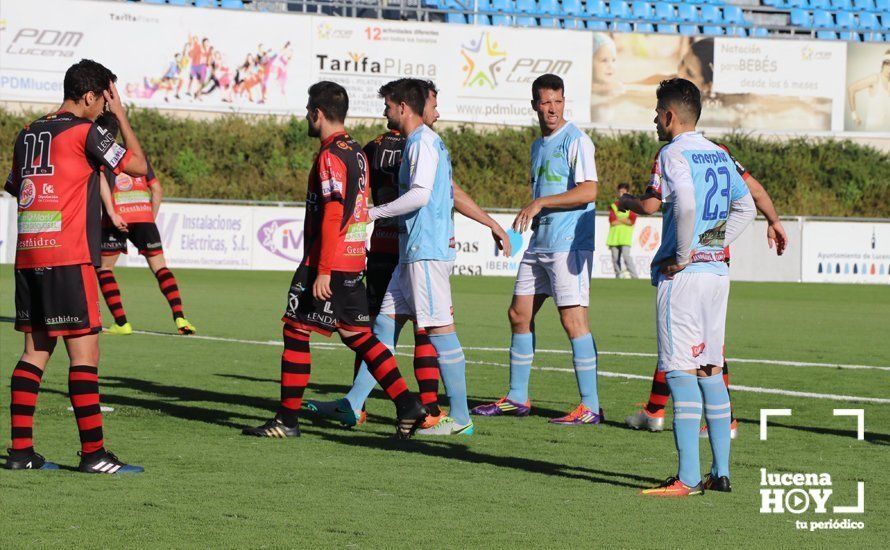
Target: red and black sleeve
x=102, y=150
x=743, y=172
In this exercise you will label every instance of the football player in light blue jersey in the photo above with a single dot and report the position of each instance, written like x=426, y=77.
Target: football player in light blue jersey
x=706, y=206
x=420, y=286
x=559, y=257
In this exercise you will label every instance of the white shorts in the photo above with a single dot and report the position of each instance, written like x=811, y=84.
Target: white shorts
x=563, y=275
x=422, y=290
x=691, y=320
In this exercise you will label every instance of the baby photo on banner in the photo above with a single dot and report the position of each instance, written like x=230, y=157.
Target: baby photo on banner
x=785, y=85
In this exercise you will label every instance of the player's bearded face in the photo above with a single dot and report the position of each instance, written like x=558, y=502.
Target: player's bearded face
x=314, y=129
x=431, y=109
x=662, y=117
x=391, y=113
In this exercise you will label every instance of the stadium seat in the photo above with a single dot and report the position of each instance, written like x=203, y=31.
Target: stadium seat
x=795, y=4
x=503, y=6
x=850, y=36
x=711, y=14
x=845, y=20
x=688, y=30
x=526, y=6
x=665, y=11
x=841, y=4
x=759, y=32
x=620, y=26
x=597, y=26
x=572, y=7
x=820, y=4
x=179, y=2
x=826, y=35
x=479, y=19
x=712, y=30
x=501, y=20
x=526, y=21
x=800, y=18
x=619, y=9
x=696, y=2
x=457, y=18
x=822, y=19
x=596, y=8
x=885, y=21
x=882, y=6
x=642, y=10
x=737, y=31
x=667, y=29
x=864, y=5
x=773, y=3
x=868, y=21
x=573, y=24
x=232, y=4
x=205, y=4
x=688, y=12
x=733, y=14
x=644, y=27
x=155, y=1
x=550, y=23
x=549, y=7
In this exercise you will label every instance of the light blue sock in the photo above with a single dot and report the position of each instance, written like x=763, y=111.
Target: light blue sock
x=522, y=352
x=719, y=417
x=453, y=367
x=687, y=417
x=386, y=331
x=584, y=360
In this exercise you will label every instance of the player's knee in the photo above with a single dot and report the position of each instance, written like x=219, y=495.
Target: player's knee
x=518, y=319
x=574, y=323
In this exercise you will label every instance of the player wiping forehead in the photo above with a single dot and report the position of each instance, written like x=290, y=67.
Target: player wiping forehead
x=559, y=256
x=385, y=155
x=706, y=206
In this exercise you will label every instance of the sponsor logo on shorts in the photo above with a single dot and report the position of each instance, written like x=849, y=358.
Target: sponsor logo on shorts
x=27, y=193
x=363, y=318
x=41, y=221
x=63, y=320
x=23, y=315
x=293, y=299
x=321, y=319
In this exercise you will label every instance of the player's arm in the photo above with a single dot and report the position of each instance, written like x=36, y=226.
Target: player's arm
x=854, y=89
x=741, y=211
x=422, y=159
x=108, y=202
x=466, y=206
x=332, y=173
x=642, y=205
x=136, y=164
x=775, y=232
x=155, y=190
x=581, y=156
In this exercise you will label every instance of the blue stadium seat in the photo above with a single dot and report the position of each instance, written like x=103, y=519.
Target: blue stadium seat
x=737, y=31
x=232, y=4
x=597, y=26
x=642, y=10
x=620, y=27
x=688, y=30
x=457, y=18
x=665, y=11
x=864, y=5
x=696, y=2
x=179, y=2
x=795, y=4
x=688, y=12
x=712, y=30
x=826, y=35
x=505, y=6
x=205, y=4
x=526, y=6
x=644, y=27
x=549, y=7
x=841, y=4
x=845, y=20
x=573, y=24
x=480, y=19
x=714, y=2
x=596, y=8
x=526, y=21
x=882, y=6
x=820, y=4
x=885, y=21
x=850, y=36
x=711, y=14
x=667, y=29
x=759, y=32
x=501, y=20
x=822, y=19
x=868, y=21
x=800, y=18
x=572, y=7
x=619, y=9
x=773, y=3
x=550, y=23
x=155, y=1
x=733, y=14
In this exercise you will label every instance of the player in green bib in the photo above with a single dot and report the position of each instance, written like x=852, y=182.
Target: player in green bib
x=621, y=236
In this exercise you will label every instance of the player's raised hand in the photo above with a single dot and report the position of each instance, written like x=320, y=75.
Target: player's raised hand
x=113, y=100
x=321, y=288
x=502, y=240
x=526, y=215
x=775, y=235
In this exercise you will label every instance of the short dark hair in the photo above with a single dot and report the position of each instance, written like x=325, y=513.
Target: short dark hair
x=547, y=82
x=86, y=76
x=330, y=98
x=410, y=91
x=623, y=186
x=681, y=94
x=429, y=86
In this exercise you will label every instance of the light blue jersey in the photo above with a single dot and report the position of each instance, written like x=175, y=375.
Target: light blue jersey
x=691, y=166
x=560, y=162
x=427, y=233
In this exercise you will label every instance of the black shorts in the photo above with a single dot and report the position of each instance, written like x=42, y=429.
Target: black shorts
x=378, y=274
x=144, y=236
x=347, y=309
x=61, y=301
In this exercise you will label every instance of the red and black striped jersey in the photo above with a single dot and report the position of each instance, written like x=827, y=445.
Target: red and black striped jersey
x=55, y=175
x=385, y=155
x=335, y=229
x=131, y=197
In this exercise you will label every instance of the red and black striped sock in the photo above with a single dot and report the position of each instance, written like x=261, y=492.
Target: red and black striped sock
x=295, y=367
x=381, y=364
x=25, y=387
x=426, y=370
x=658, y=395
x=726, y=381
x=112, y=294
x=83, y=390
x=168, y=285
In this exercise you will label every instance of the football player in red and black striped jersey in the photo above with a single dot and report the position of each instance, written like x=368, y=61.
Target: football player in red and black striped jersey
x=55, y=176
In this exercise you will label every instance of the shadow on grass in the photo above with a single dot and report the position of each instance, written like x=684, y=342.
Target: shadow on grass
x=870, y=437
x=171, y=400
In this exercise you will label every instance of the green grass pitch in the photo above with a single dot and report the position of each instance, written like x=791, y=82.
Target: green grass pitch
x=180, y=403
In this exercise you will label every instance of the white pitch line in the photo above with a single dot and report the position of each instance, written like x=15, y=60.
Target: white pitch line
x=606, y=374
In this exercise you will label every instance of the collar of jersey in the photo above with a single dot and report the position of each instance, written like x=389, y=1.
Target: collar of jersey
x=332, y=137
x=556, y=133
x=687, y=133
